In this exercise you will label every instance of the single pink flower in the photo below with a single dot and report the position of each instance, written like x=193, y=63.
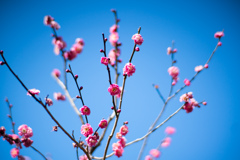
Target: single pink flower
x=80, y=41
x=166, y=142
x=14, y=152
x=55, y=25
x=48, y=101
x=113, y=55
x=27, y=142
x=137, y=39
x=188, y=107
x=118, y=135
x=198, y=68
x=104, y=60
x=113, y=38
x=47, y=20
x=83, y=157
x=148, y=157
x=56, y=73
x=187, y=82
x=70, y=55
x=103, y=123
x=155, y=153
x=124, y=130
x=25, y=131
x=77, y=48
x=122, y=141
x=173, y=71
x=59, y=96
x=86, y=130
x=118, y=149
x=170, y=130
x=113, y=28
x=91, y=140
x=129, y=69
x=33, y=91
x=114, y=89
x=219, y=34
x=85, y=110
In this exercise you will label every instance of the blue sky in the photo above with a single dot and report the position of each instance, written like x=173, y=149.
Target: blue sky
x=211, y=132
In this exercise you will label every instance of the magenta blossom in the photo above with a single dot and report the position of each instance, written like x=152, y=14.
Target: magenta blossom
x=124, y=130
x=103, y=123
x=118, y=149
x=86, y=130
x=219, y=34
x=129, y=69
x=27, y=142
x=104, y=60
x=173, y=71
x=14, y=152
x=85, y=110
x=83, y=157
x=187, y=82
x=48, y=101
x=56, y=73
x=137, y=39
x=91, y=140
x=155, y=153
x=114, y=89
x=59, y=96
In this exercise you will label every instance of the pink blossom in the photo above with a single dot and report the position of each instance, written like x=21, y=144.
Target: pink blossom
x=48, y=101
x=114, y=89
x=194, y=102
x=83, y=157
x=70, y=55
x=118, y=149
x=137, y=49
x=85, y=110
x=59, y=96
x=56, y=50
x=204, y=103
x=219, y=44
x=91, y=140
x=14, y=152
x=137, y=39
x=187, y=82
x=185, y=97
x=166, y=142
x=86, y=129
x=198, y=68
x=56, y=73
x=55, y=25
x=173, y=71
x=77, y=48
x=118, y=135
x=219, y=34
x=113, y=28
x=175, y=50
x=25, y=131
x=129, y=69
x=27, y=142
x=169, y=50
x=33, y=92
x=113, y=38
x=122, y=141
x=47, y=20
x=113, y=55
x=119, y=94
x=104, y=60
x=155, y=153
x=148, y=157
x=170, y=130
x=206, y=66
x=103, y=123
x=80, y=41
x=188, y=107
x=124, y=130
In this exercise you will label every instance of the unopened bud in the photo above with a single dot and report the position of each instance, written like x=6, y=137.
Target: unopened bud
x=137, y=49
x=204, y=103
x=113, y=10
x=78, y=96
x=119, y=110
x=2, y=63
x=81, y=88
x=101, y=50
x=112, y=107
x=55, y=128
x=105, y=39
x=67, y=70
x=1, y=52
x=76, y=76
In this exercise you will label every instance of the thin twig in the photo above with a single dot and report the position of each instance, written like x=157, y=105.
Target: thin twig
x=38, y=152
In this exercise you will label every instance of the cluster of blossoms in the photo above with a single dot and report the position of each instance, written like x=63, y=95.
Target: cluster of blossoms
x=174, y=72
x=155, y=153
x=118, y=147
x=190, y=102
x=60, y=44
x=14, y=139
x=219, y=35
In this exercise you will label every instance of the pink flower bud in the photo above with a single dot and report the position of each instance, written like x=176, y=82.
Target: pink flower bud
x=59, y=96
x=119, y=110
x=137, y=39
x=206, y=66
x=81, y=88
x=204, y=103
x=2, y=63
x=101, y=50
x=174, y=51
x=187, y=82
x=76, y=76
x=170, y=130
x=219, y=44
x=155, y=153
x=2, y=131
x=112, y=107
x=56, y=73
x=33, y=92
x=1, y=52
x=55, y=128
x=137, y=49
x=67, y=70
